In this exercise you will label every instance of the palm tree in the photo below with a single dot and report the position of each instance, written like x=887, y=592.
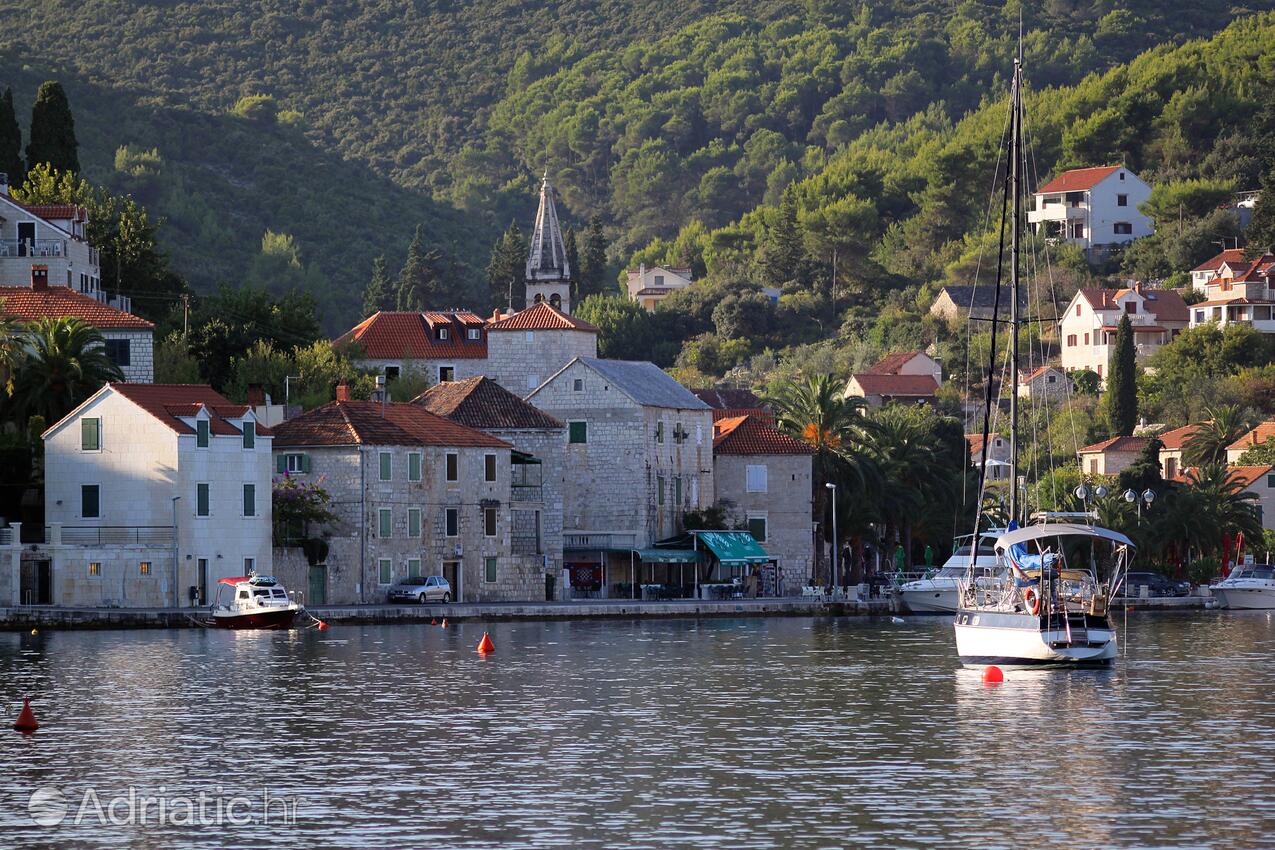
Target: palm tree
x=1207, y=443
x=818, y=412
x=11, y=350
x=66, y=362
x=1224, y=506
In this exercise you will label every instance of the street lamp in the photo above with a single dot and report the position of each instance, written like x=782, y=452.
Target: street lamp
x=833, y=488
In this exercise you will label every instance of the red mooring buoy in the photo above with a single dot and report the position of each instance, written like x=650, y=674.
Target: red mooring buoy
x=323, y=627
x=26, y=718
x=485, y=645
x=993, y=675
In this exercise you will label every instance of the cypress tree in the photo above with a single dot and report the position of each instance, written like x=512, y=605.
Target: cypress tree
x=782, y=252
x=11, y=141
x=53, y=130
x=378, y=294
x=418, y=284
x=507, y=265
x=1122, y=387
x=573, y=261
x=593, y=264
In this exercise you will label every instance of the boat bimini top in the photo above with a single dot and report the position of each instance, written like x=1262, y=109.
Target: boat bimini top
x=1061, y=529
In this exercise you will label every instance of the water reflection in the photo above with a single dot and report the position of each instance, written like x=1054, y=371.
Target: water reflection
x=749, y=733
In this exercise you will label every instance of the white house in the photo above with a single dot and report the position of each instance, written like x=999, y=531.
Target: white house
x=1089, y=323
x=1092, y=207
x=1216, y=266
x=997, y=455
x=129, y=339
x=152, y=490
x=1112, y=456
x=649, y=286
x=1239, y=292
x=904, y=376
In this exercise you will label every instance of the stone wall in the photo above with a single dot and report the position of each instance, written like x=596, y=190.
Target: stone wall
x=141, y=348
x=786, y=506
x=463, y=367
x=522, y=360
x=549, y=445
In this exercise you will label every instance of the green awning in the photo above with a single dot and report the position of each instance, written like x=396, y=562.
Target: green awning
x=733, y=548
x=670, y=556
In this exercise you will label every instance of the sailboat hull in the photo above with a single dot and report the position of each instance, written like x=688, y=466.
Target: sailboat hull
x=1018, y=640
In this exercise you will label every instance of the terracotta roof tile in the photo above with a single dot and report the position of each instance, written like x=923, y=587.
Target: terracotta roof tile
x=1230, y=255
x=58, y=302
x=168, y=402
x=483, y=404
x=1176, y=438
x=921, y=386
x=1256, y=437
x=744, y=435
x=57, y=212
x=347, y=423
x=1078, y=179
x=1118, y=444
x=542, y=317
x=892, y=363
x=391, y=336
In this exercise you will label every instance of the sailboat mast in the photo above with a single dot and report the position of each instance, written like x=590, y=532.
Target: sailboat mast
x=1016, y=142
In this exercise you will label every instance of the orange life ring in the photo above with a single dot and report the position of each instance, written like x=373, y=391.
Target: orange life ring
x=1032, y=600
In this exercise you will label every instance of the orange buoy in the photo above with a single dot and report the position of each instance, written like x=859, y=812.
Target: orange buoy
x=485, y=645
x=433, y=621
x=26, y=718
x=992, y=675
x=323, y=626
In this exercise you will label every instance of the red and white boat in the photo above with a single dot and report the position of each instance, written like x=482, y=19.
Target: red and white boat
x=253, y=602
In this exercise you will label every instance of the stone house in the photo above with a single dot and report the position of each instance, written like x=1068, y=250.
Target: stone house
x=1088, y=326
x=151, y=490
x=910, y=377
x=129, y=339
x=1094, y=208
x=1174, y=444
x=1045, y=383
x=639, y=455
x=764, y=476
x=958, y=303
x=997, y=455
x=414, y=494
x=525, y=348
x=1111, y=457
x=444, y=346
x=538, y=459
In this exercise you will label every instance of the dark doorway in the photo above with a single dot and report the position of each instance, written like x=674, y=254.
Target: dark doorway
x=26, y=238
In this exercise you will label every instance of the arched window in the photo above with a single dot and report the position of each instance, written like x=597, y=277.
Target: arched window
x=555, y=301
x=538, y=298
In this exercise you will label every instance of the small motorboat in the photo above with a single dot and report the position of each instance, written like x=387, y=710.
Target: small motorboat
x=937, y=593
x=1249, y=586
x=253, y=602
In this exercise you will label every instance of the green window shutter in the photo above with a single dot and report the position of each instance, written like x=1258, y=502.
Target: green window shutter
x=281, y=464
x=414, y=467
x=387, y=465
x=385, y=522
x=201, y=433
x=305, y=464
x=490, y=569
x=578, y=432
x=385, y=570
x=250, y=435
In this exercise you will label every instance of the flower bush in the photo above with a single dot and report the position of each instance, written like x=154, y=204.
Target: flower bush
x=297, y=506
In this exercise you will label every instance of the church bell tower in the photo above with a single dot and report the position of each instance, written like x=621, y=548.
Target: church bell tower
x=548, y=275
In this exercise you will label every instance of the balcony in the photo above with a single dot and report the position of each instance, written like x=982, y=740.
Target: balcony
x=28, y=248
x=621, y=541
x=1057, y=212
x=526, y=493
x=110, y=535
x=527, y=479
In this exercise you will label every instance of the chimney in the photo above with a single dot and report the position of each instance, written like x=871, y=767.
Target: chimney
x=495, y=314
x=4, y=183
x=40, y=278
x=256, y=395
x=343, y=391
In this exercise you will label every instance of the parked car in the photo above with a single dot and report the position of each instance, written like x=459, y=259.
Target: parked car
x=1158, y=584
x=421, y=589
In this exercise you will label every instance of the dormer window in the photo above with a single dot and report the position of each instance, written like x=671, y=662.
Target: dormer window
x=201, y=433
x=444, y=333
x=475, y=334
x=1131, y=307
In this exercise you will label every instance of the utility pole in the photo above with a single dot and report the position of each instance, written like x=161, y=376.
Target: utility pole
x=185, y=315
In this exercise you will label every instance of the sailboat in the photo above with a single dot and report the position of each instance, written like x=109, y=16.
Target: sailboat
x=1048, y=606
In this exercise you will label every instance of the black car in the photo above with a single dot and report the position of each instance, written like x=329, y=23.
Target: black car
x=1158, y=584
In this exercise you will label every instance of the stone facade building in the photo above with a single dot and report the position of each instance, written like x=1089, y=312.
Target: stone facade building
x=638, y=456
x=444, y=345
x=763, y=478
x=524, y=349
x=126, y=468
x=415, y=494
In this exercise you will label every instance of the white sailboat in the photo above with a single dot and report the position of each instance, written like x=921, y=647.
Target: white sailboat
x=1050, y=607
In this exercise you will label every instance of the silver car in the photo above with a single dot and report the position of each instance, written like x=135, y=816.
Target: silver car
x=421, y=589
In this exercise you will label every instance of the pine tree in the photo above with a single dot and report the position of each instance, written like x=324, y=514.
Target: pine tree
x=1122, y=388
x=11, y=141
x=573, y=262
x=418, y=283
x=782, y=253
x=507, y=266
x=53, y=130
x=593, y=264
x=379, y=293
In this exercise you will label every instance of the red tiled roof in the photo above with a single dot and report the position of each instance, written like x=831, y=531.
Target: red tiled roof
x=1219, y=302
x=727, y=398
x=57, y=212
x=1259, y=435
x=1078, y=179
x=892, y=363
x=1117, y=444
x=542, y=317
x=1248, y=475
x=1037, y=372
x=922, y=386
x=59, y=302
x=348, y=423
x=168, y=402
x=1178, y=437
x=1165, y=304
x=744, y=435
x=1230, y=255
x=391, y=336
x=484, y=404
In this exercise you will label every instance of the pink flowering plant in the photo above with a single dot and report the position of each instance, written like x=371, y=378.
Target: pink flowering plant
x=298, y=505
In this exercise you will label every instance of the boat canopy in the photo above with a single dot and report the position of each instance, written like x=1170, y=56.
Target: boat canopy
x=1059, y=529
x=235, y=580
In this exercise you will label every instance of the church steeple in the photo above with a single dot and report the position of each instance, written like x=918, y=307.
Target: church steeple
x=548, y=272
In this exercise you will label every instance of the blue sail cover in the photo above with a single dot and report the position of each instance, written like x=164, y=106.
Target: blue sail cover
x=1020, y=560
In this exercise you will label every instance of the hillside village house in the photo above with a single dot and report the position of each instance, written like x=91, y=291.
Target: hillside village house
x=958, y=303
x=1111, y=457
x=997, y=455
x=728, y=403
x=639, y=455
x=650, y=286
x=1260, y=433
x=153, y=492
x=1089, y=323
x=415, y=495
x=1174, y=444
x=1094, y=208
x=1045, y=383
x=537, y=461
x=1239, y=292
x=763, y=478
x=525, y=348
x=1219, y=265
x=129, y=339
x=905, y=376
x=444, y=346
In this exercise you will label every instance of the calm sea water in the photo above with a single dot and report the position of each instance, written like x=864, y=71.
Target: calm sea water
x=677, y=733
